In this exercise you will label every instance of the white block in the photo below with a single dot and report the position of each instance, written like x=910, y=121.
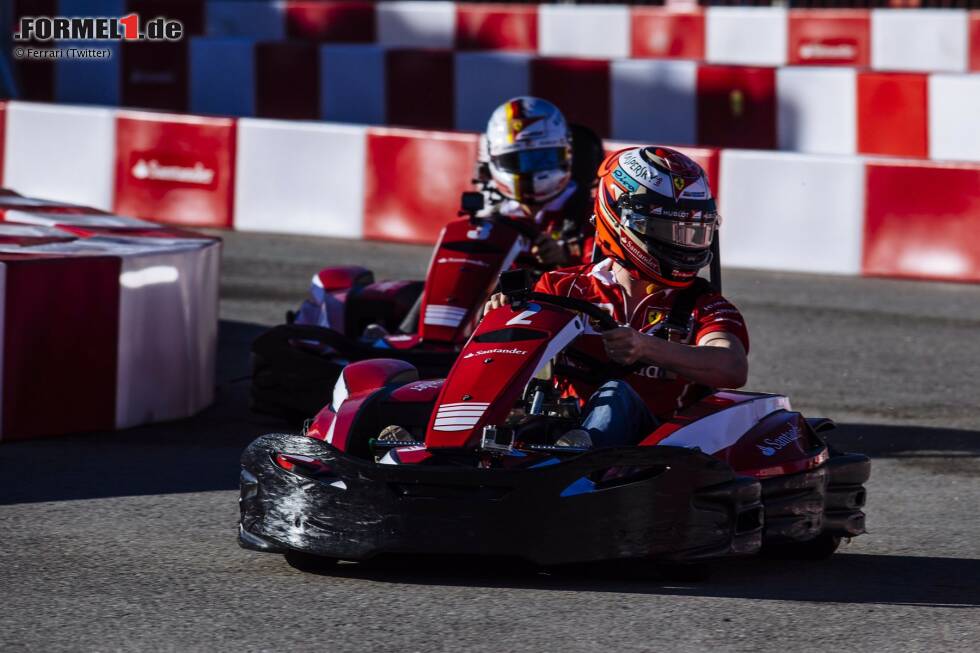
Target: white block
x=168, y=333
x=300, y=177
x=796, y=212
x=817, y=109
x=416, y=24
x=954, y=117
x=655, y=101
x=260, y=20
x=919, y=39
x=746, y=35
x=484, y=81
x=584, y=31
x=61, y=153
x=352, y=84
x=222, y=76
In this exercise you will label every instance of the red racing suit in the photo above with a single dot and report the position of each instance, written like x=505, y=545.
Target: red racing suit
x=565, y=218
x=663, y=391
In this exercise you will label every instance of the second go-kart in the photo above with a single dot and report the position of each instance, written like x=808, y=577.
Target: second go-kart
x=468, y=465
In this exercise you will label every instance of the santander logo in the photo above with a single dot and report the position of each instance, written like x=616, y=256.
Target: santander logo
x=152, y=170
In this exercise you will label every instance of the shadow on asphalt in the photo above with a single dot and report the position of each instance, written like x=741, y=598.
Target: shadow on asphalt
x=843, y=578
x=201, y=453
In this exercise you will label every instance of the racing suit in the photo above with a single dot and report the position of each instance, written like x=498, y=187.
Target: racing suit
x=662, y=391
x=565, y=218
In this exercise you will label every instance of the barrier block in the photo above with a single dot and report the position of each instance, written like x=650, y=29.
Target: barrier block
x=154, y=74
x=36, y=344
x=746, y=35
x=737, y=107
x=59, y=152
x=654, y=101
x=175, y=169
x=496, y=27
x=335, y=22
x=222, y=76
x=419, y=88
x=810, y=217
x=403, y=199
x=258, y=20
x=416, y=24
x=352, y=84
x=303, y=178
x=580, y=87
x=922, y=221
x=667, y=33
x=584, y=31
x=829, y=37
x=483, y=81
x=817, y=109
x=287, y=75
x=892, y=114
x=954, y=117
x=919, y=39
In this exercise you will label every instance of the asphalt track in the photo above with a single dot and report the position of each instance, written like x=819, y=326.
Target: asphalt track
x=126, y=541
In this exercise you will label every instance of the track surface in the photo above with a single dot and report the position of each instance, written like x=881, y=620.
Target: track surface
x=126, y=541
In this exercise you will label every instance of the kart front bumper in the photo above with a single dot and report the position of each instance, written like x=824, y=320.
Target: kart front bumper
x=676, y=504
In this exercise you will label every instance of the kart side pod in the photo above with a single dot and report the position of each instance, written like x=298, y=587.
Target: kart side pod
x=369, y=375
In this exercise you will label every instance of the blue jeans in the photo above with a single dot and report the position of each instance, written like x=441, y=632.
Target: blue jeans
x=616, y=416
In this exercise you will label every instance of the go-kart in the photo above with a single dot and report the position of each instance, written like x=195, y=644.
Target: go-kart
x=468, y=465
x=349, y=317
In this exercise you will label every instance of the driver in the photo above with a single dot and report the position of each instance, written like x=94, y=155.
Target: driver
x=526, y=165
x=655, y=220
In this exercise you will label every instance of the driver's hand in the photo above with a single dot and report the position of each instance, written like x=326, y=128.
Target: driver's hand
x=624, y=345
x=549, y=251
x=496, y=301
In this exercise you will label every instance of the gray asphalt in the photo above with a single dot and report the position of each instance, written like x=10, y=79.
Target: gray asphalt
x=126, y=541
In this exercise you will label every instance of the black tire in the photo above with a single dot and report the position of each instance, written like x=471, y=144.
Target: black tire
x=819, y=548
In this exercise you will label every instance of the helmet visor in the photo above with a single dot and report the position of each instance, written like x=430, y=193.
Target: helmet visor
x=679, y=232
x=547, y=158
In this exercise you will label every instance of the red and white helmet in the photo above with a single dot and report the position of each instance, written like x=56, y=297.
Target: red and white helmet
x=655, y=213
x=529, y=150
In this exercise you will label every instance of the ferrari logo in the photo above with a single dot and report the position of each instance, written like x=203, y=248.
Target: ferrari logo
x=679, y=184
x=654, y=317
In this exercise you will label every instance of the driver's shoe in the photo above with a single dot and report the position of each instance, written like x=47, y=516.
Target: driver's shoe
x=373, y=332
x=576, y=438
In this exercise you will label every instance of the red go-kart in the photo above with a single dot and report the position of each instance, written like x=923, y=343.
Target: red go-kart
x=476, y=469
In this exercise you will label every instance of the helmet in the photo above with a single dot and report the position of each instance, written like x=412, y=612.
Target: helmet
x=529, y=150
x=655, y=214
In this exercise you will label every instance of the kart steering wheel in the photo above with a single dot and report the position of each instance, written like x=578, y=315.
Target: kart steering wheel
x=605, y=322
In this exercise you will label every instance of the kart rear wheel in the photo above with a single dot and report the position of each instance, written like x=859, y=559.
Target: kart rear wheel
x=819, y=548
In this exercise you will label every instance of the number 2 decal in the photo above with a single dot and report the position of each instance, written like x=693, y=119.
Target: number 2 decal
x=524, y=318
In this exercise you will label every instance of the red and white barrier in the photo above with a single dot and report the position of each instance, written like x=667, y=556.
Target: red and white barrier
x=794, y=212
x=593, y=31
x=820, y=213
x=176, y=169
x=416, y=24
x=497, y=27
x=62, y=153
x=816, y=110
x=919, y=39
x=303, y=178
x=922, y=221
x=829, y=37
x=754, y=36
x=107, y=322
x=892, y=114
x=954, y=101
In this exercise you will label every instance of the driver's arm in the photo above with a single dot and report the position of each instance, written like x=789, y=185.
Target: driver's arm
x=718, y=360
